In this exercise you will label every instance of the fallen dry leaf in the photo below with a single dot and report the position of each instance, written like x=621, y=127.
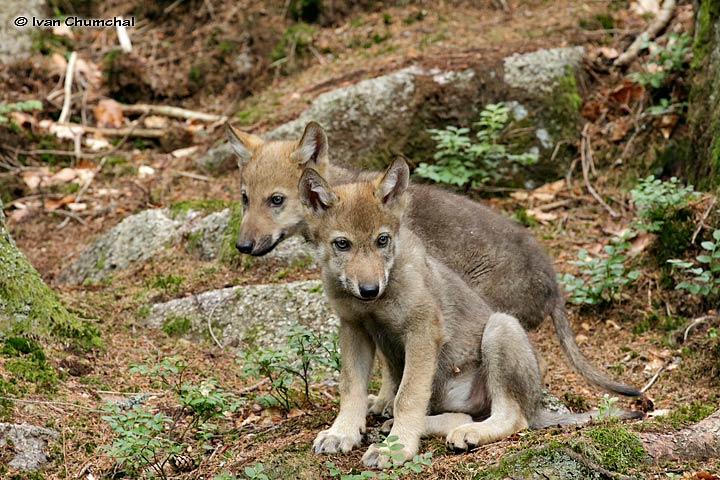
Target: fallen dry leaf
x=96, y=144
x=613, y=325
x=643, y=7
x=184, y=152
x=542, y=217
x=520, y=195
x=626, y=92
x=155, y=121
x=609, y=52
x=108, y=113
x=640, y=242
x=77, y=207
x=592, y=110
x=36, y=177
x=89, y=71
x=145, y=171
x=580, y=338
x=653, y=366
x=620, y=128
x=55, y=203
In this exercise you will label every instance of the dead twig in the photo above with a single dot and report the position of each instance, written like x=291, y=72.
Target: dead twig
x=117, y=132
x=702, y=220
x=50, y=403
x=253, y=387
x=174, y=112
x=69, y=75
x=587, y=164
x=656, y=376
x=695, y=323
x=583, y=460
x=69, y=214
x=194, y=176
x=660, y=22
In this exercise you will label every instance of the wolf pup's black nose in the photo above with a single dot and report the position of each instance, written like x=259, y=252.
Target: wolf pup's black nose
x=369, y=290
x=245, y=246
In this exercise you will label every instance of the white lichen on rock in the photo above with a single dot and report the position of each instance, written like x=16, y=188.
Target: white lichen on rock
x=541, y=71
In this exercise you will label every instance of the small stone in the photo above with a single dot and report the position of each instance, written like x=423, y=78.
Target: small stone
x=28, y=442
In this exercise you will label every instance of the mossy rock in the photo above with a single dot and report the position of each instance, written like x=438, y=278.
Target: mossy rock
x=27, y=305
x=610, y=446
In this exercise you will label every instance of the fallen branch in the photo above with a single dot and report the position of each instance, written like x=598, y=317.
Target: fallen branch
x=586, y=161
x=696, y=442
x=118, y=132
x=702, y=220
x=175, y=112
x=69, y=75
x=660, y=22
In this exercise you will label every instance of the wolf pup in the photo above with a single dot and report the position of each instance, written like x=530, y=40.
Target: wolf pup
x=495, y=257
x=449, y=353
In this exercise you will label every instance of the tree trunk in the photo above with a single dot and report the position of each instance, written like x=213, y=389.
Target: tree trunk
x=696, y=442
x=703, y=166
x=28, y=307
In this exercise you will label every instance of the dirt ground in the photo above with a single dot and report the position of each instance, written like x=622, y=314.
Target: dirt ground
x=348, y=44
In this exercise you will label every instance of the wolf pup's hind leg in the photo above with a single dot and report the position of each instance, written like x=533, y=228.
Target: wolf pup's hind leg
x=513, y=384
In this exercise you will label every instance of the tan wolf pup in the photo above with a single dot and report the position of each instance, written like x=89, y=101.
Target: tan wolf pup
x=449, y=353
x=495, y=257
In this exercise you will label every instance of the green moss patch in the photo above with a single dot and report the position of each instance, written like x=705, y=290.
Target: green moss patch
x=27, y=361
x=228, y=253
x=611, y=446
x=176, y=326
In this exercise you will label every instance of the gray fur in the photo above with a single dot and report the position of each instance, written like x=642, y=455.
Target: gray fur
x=449, y=354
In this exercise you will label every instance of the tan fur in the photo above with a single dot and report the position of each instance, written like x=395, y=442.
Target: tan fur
x=444, y=348
x=495, y=257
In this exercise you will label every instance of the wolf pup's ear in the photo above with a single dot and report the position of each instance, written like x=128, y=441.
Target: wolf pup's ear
x=243, y=144
x=315, y=193
x=390, y=188
x=312, y=148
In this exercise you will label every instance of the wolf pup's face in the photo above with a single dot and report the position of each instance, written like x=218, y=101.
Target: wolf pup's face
x=272, y=210
x=355, y=227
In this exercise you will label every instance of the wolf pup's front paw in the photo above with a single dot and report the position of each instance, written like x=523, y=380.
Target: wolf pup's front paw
x=467, y=437
x=383, y=457
x=380, y=406
x=334, y=440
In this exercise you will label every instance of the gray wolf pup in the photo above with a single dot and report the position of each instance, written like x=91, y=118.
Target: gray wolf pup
x=495, y=257
x=452, y=357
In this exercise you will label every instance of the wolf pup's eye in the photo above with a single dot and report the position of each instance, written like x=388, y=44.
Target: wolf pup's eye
x=342, y=244
x=276, y=200
x=383, y=240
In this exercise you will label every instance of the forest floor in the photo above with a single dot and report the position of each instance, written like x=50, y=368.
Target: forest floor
x=632, y=338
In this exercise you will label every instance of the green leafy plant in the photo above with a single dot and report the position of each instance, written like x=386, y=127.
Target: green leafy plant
x=25, y=106
x=602, y=278
x=462, y=161
x=706, y=273
x=147, y=439
x=607, y=407
x=141, y=438
x=255, y=471
x=394, y=471
x=294, y=361
x=664, y=60
x=656, y=200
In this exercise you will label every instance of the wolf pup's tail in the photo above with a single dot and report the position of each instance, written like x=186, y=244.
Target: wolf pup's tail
x=578, y=361
x=546, y=418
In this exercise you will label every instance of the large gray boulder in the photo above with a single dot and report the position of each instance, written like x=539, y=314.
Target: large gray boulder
x=370, y=121
x=136, y=238
x=251, y=314
x=28, y=443
x=16, y=39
